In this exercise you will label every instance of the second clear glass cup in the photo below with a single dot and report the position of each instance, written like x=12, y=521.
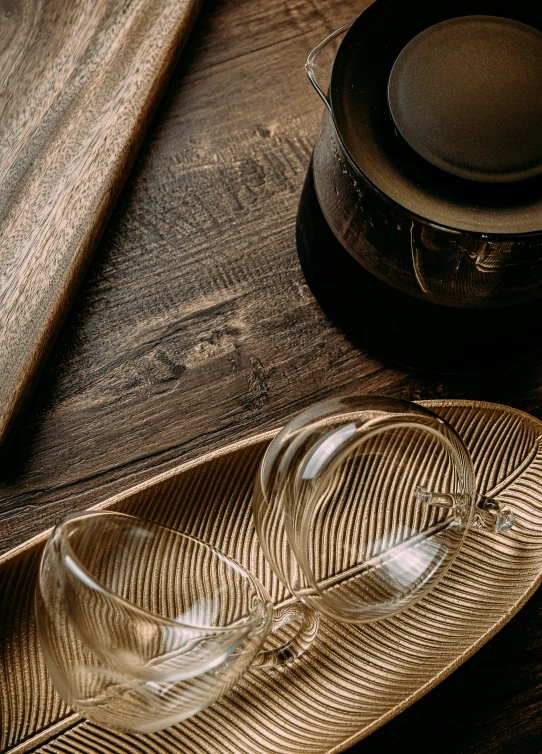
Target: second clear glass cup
x=142, y=627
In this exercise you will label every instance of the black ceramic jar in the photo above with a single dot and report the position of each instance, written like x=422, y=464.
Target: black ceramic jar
x=428, y=165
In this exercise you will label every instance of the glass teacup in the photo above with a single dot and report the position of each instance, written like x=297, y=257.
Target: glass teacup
x=362, y=504
x=142, y=627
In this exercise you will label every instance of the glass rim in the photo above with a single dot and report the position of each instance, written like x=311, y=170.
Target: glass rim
x=92, y=582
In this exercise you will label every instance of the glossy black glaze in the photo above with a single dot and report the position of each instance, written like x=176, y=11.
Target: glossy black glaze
x=400, y=327
x=434, y=264
x=379, y=157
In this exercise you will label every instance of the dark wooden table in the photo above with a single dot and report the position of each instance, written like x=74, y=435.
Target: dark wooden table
x=195, y=328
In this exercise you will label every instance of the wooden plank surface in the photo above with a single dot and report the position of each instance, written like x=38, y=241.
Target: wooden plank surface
x=195, y=328
x=79, y=82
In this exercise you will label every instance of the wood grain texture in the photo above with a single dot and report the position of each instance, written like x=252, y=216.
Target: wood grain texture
x=353, y=678
x=79, y=82
x=194, y=328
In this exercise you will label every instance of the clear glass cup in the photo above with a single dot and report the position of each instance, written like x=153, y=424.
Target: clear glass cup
x=142, y=627
x=362, y=504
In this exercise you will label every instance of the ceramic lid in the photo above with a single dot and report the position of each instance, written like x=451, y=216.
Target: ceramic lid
x=439, y=106
x=466, y=94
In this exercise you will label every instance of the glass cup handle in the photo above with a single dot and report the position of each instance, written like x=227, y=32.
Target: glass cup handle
x=488, y=513
x=316, y=61
x=295, y=645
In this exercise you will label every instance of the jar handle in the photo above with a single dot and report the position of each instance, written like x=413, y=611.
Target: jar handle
x=296, y=644
x=315, y=55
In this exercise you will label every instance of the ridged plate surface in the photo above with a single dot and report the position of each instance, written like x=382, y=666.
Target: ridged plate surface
x=353, y=679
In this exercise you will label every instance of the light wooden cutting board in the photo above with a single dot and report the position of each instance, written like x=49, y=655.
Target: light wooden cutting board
x=79, y=80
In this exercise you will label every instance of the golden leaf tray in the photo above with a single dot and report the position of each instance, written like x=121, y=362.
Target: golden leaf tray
x=353, y=679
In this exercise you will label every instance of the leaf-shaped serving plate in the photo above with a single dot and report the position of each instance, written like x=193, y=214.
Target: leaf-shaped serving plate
x=353, y=679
